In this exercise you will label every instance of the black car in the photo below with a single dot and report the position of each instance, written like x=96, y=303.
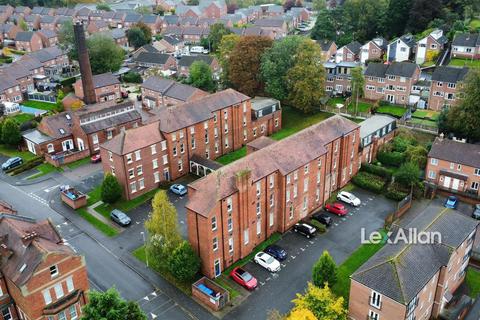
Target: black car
x=323, y=219
x=277, y=252
x=12, y=163
x=305, y=229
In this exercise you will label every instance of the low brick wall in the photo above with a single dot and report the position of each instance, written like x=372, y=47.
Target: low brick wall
x=58, y=160
x=216, y=302
x=78, y=202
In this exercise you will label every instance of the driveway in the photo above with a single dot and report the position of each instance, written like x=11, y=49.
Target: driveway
x=276, y=291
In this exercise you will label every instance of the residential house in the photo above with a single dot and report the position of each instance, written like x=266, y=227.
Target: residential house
x=454, y=166
x=412, y=280
x=66, y=12
x=48, y=22
x=158, y=92
x=338, y=77
x=61, y=20
x=444, y=87
x=213, y=8
x=95, y=26
x=466, y=45
x=32, y=21
x=188, y=11
x=375, y=132
x=169, y=44
x=42, y=277
x=120, y=37
x=392, y=83
x=145, y=48
x=167, y=5
x=153, y=21
x=238, y=206
x=194, y=34
x=373, y=50
x=430, y=47
x=22, y=11
x=106, y=85
x=8, y=31
x=117, y=20
x=83, y=14
x=43, y=11
x=165, y=62
x=329, y=49
x=272, y=10
x=53, y=60
x=9, y=89
x=349, y=52
x=170, y=20
x=186, y=62
x=49, y=38
x=276, y=25
x=131, y=19
x=28, y=41
x=401, y=49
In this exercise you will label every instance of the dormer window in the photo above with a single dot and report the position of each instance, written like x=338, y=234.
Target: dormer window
x=54, y=271
x=61, y=131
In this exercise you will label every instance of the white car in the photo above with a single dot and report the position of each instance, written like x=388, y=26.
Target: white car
x=349, y=198
x=267, y=261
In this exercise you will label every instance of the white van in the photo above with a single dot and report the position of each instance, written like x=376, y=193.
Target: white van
x=197, y=49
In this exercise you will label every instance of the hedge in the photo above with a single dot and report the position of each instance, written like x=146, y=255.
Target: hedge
x=369, y=181
x=391, y=158
x=377, y=170
x=68, y=81
x=395, y=194
x=320, y=226
x=27, y=165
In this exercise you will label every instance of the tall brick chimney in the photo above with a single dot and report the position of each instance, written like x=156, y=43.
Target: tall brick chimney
x=84, y=62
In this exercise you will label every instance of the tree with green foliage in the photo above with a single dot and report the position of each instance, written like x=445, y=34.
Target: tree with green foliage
x=244, y=64
x=408, y=175
x=132, y=77
x=145, y=29
x=217, y=32
x=276, y=62
x=301, y=314
x=322, y=303
x=184, y=263
x=358, y=83
x=318, y=5
x=59, y=102
x=325, y=26
x=66, y=39
x=397, y=13
x=463, y=120
x=163, y=229
x=23, y=25
x=11, y=133
x=103, y=7
x=1, y=129
x=144, y=10
x=201, y=76
x=324, y=270
x=105, y=55
x=417, y=154
x=111, y=190
x=109, y=305
x=225, y=49
x=136, y=37
x=306, y=79
x=422, y=13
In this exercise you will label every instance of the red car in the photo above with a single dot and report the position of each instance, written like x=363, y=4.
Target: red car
x=336, y=208
x=96, y=158
x=243, y=278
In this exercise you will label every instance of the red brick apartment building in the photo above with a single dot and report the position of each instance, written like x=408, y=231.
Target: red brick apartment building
x=41, y=277
x=392, y=83
x=28, y=41
x=106, y=85
x=189, y=136
x=444, y=88
x=454, y=166
x=415, y=281
x=235, y=208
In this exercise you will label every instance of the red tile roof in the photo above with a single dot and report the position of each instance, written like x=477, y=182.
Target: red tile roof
x=134, y=139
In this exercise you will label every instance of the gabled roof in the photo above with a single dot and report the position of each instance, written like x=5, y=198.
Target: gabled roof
x=400, y=271
x=354, y=47
x=449, y=74
x=47, y=19
x=150, y=18
x=376, y=69
x=463, y=153
x=466, y=40
x=133, y=17
x=134, y=139
x=24, y=36
x=117, y=33
x=284, y=156
x=171, y=19
x=58, y=125
x=186, y=61
x=325, y=44
x=269, y=22
x=374, y=123
x=152, y=57
x=173, y=40
x=409, y=40
x=104, y=79
x=170, y=88
x=402, y=69
x=47, y=54
x=48, y=33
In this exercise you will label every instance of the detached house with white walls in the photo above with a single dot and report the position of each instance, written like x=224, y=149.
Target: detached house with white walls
x=401, y=49
x=429, y=47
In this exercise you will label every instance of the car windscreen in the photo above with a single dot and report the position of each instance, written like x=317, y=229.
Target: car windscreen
x=246, y=276
x=269, y=260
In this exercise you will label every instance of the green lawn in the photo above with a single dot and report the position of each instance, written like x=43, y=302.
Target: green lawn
x=222, y=281
x=13, y=152
x=22, y=117
x=40, y=105
x=363, y=107
x=78, y=163
x=334, y=101
x=186, y=287
x=347, y=268
x=44, y=168
x=396, y=111
x=105, y=228
x=122, y=205
x=428, y=123
x=294, y=121
x=474, y=24
x=428, y=64
x=456, y=62
x=473, y=282
x=232, y=156
x=426, y=114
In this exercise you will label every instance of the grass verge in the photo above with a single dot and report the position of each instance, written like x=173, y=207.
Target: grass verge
x=396, y=111
x=223, y=281
x=22, y=117
x=13, y=152
x=349, y=266
x=472, y=281
x=44, y=168
x=456, y=62
x=78, y=163
x=99, y=225
x=122, y=205
x=232, y=156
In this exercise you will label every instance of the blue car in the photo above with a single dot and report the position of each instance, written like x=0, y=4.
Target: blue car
x=451, y=202
x=277, y=252
x=178, y=189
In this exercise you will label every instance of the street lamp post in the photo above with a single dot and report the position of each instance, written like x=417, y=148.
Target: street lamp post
x=145, y=247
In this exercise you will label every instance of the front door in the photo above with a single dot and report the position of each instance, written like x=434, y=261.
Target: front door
x=391, y=98
x=455, y=184
x=446, y=183
x=217, y=267
x=166, y=174
x=31, y=146
x=81, y=145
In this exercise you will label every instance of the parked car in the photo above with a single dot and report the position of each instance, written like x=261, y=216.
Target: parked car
x=349, y=198
x=120, y=217
x=451, y=202
x=96, y=158
x=277, y=252
x=267, y=261
x=243, y=278
x=178, y=189
x=323, y=218
x=12, y=163
x=305, y=229
x=336, y=208
x=476, y=211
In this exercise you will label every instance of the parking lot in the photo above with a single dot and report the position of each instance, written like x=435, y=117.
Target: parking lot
x=341, y=239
